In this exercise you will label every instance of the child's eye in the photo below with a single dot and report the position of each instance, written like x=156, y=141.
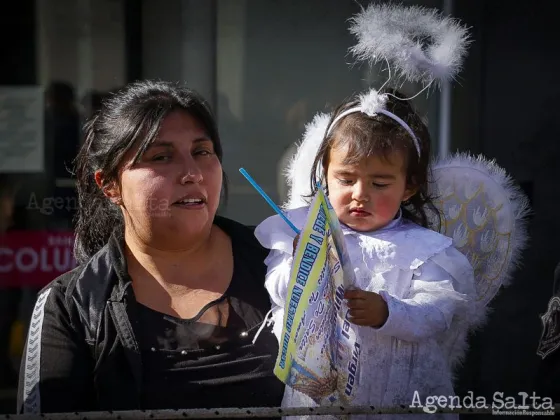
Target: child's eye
x=376, y=185
x=345, y=181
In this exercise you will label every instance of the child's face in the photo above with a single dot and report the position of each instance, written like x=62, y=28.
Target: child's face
x=366, y=196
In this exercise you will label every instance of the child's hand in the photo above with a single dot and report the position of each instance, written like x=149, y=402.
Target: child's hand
x=366, y=308
x=296, y=240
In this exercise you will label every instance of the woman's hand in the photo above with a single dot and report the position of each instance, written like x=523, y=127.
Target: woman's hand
x=366, y=308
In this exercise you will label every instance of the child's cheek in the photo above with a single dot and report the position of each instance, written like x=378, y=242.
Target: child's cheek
x=386, y=207
x=338, y=207
x=338, y=202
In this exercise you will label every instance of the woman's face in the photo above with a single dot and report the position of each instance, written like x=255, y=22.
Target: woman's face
x=172, y=194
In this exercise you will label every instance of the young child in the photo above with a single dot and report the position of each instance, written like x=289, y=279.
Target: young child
x=411, y=281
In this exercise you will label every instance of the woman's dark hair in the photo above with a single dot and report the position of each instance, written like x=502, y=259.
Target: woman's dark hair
x=128, y=118
x=381, y=136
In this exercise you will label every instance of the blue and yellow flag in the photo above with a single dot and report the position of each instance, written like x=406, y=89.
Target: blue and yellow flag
x=319, y=352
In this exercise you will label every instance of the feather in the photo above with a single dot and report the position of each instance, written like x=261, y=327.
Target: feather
x=298, y=171
x=371, y=102
x=421, y=44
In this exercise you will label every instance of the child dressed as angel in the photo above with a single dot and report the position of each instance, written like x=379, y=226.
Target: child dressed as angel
x=415, y=295
x=411, y=281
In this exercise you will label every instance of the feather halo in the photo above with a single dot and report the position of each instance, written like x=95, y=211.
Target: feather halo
x=419, y=43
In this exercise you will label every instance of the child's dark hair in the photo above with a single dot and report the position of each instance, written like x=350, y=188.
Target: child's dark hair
x=129, y=118
x=380, y=135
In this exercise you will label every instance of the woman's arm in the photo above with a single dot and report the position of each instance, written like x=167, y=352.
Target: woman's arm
x=57, y=365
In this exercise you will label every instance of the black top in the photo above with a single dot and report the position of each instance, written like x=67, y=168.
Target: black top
x=91, y=346
x=188, y=363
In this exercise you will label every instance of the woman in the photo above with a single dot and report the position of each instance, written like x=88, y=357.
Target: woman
x=168, y=298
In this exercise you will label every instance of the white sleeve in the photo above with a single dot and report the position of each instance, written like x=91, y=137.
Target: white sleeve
x=434, y=298
x=278, y=276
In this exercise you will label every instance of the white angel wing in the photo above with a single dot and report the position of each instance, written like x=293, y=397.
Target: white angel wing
x=484, y=213
x=298, y=172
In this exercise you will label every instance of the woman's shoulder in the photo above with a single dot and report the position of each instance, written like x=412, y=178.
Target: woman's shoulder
x=91, y=283
x=62, y=299
x=62, y=285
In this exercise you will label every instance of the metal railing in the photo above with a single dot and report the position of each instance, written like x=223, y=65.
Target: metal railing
x=266, y=412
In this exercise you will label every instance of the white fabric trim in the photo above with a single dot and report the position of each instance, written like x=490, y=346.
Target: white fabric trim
x=32, y=373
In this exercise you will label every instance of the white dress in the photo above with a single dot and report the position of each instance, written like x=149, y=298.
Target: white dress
x=425, y=281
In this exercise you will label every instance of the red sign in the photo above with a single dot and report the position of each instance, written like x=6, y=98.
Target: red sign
x=35, y=258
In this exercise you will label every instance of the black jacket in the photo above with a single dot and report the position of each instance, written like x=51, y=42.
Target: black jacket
x=81, y=352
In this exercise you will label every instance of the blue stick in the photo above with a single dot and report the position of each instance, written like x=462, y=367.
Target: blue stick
x=268, y=200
